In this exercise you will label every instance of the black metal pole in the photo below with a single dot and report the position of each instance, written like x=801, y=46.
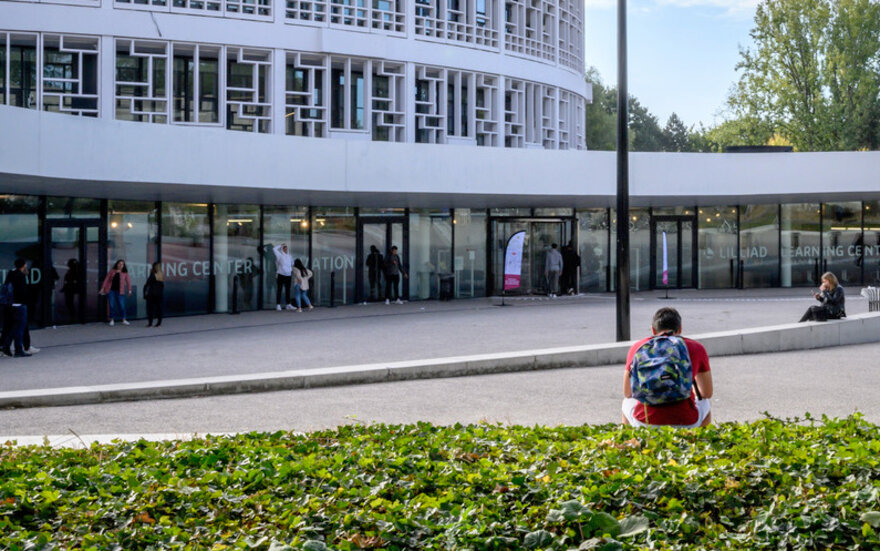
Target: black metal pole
x=623, y=321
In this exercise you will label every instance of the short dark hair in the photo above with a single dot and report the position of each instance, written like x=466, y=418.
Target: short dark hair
x=19, y=262
x=554, y=245
x=393, y=247
x=666, y=319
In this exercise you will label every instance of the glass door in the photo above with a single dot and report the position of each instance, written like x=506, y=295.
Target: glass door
x=381, y=234
x=544, y=236
x=678, y=254
x=539, y=239
x=74, y=255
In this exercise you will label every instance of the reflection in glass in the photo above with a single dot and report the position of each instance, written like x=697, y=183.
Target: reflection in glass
x=185, y=257
x=236, y=257
x=800, y=245
x=20, y=238
x=716, y=236
x=469, y=260
x=287, y=225
x=842, y=241
x=871, y=250
x=334, y=240
x=132, y=228
x=430, y=251
x=593, y=249
x=759, y=245
x=72, y=207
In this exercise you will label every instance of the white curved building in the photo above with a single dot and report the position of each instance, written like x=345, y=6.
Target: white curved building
x=201, y=133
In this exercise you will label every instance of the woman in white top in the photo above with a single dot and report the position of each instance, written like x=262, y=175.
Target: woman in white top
x=301, y=276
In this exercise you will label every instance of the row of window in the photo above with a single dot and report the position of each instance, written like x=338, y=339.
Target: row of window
x=550, y=30
x=231, y=86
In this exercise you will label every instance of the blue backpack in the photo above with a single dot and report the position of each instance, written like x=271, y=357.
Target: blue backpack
x=6, y=294
x=661, y=371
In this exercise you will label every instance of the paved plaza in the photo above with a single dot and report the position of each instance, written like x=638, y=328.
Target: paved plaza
x=785, y=384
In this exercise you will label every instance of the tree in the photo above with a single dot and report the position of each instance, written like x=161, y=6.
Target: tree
x=811, y=75
x=676, y=135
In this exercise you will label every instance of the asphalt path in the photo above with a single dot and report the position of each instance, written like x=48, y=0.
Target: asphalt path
x=256, y=342
x=834, y=382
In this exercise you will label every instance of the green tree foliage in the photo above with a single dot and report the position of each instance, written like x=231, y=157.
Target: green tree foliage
x=812, y=76
x=645, y=133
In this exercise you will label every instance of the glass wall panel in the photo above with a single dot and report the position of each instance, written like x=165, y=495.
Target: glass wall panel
x=334, y=242
x=759, y=245
x=469, y=260
x=717, y=229
x=20, y=238
x=382, y=212
x=842, y=241
x=640, y=249
x=800, y=245
x=871, y=250
x=554, y=212
x=186, y=257
x=282, y=225
x=72, y=207
x=236, y=257
x=593, y=249
x=132, y=228
x=430, y=251
x=511, y=212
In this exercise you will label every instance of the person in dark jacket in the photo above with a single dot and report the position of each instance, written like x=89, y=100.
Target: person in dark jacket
x=15, y=316
x=154, y=293
x=832, y=298
x=375, y=266
x=571, y=261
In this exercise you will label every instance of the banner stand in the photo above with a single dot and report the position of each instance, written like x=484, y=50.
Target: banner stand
x=666, y=269
x=512, y=263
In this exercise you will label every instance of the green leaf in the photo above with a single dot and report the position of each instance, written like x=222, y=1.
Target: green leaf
x=591, y=543
x=314, y=545
x=872, y=518
x=603, y=523
x=631, y=526
x=537, y=539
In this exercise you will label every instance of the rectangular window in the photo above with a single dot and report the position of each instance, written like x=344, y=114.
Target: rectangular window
x=236, y=257
x=593, y=249
x=22, y=60
x=132, y=231
x=334, y=239
x=717, y=255
x=196, y=84
x=430, y=251
x=70, y=75
x=759, y=245
x=800, y=256
x=141, y=94
x=247, y=85
x=871, y=244
x=186, y=246
x=469, y=258
x=842, y=241
x=20, y=228
x=282, y=225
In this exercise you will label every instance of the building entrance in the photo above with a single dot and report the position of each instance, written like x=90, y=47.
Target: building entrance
x=381, y=233
x=540, y=236
x=77, y=262
x=681, y=255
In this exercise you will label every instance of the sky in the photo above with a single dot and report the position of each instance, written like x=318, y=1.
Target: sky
x=682, y=54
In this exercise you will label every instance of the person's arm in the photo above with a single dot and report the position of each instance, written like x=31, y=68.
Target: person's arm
x=277, y=250
x=627, y=385
x=704, y=383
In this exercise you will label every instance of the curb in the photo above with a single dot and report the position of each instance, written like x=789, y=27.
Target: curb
x=858, y=329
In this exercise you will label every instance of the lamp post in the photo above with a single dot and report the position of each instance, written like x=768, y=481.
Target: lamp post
x=623, y=321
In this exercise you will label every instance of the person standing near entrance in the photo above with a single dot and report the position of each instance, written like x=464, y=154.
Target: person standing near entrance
x=301, y=276
x=154, y=293
x=283, y=270
x=571, y=261
x=15, y=315
x=117, y=286
x=375, y=265
x=393, y=270
x=71, y=288
x=552, y=269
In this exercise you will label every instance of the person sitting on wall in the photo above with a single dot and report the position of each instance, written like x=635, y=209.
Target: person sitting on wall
x=662, y=374
x=832, y=298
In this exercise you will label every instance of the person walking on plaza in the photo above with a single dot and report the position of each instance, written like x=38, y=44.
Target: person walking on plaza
x=393, y=270
x=662, y=374
x=301, y=276
x=154, y=294
x=571, y=261
x=117, y=286
x=552, y=268
x=71, y=289
x=283, y=267
x=832, y=298
x=15, y=315
x=375, y=265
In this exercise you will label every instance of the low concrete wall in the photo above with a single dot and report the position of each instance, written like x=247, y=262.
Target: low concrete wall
x=858, y=329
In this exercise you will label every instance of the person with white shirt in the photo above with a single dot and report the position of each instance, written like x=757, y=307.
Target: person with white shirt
x=283, y=270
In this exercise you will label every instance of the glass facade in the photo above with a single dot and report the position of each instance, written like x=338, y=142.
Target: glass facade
x=186, y=257
x=218, y=257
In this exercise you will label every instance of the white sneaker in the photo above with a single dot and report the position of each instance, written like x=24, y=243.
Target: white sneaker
x=398, y=301
x=125, y=322
x=32, y=350
x=112, y=323
x=290, y=307
x=387, y=301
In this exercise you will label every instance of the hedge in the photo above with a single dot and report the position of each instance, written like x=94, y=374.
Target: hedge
x=781, y=484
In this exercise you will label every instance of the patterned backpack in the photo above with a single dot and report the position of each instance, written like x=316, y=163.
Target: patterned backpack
x=661, y=371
